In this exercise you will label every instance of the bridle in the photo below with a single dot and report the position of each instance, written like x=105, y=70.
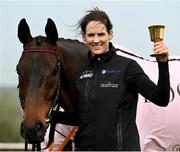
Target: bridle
x=55, y=104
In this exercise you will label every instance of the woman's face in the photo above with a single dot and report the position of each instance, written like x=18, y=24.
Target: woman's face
x=97, y=38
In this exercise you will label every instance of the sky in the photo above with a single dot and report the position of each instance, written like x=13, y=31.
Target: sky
x=130, y=19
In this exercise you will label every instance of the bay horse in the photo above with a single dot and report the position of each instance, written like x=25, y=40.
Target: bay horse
x=46, y=72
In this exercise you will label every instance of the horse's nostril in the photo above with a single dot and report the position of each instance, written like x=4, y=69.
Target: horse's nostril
x=38, y=126
x=39, y=130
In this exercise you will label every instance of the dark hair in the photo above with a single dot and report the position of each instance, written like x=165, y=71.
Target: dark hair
x=95, y=15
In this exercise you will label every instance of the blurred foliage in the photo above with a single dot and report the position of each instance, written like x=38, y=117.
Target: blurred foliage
x=10, y=115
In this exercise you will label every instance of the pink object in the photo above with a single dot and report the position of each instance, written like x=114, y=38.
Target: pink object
x=58, y=138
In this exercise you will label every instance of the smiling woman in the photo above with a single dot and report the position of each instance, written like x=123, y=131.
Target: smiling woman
x=97, y=38
x=107, y=90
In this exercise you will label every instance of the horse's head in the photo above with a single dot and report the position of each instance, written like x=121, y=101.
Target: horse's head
x=39, y=79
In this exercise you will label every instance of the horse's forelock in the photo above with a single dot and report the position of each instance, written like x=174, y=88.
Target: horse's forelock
x=39, y=40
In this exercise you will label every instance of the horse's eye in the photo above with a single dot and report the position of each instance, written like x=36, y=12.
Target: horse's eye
x=56, y=69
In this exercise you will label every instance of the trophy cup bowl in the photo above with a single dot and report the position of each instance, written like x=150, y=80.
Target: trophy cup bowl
x=156, y=34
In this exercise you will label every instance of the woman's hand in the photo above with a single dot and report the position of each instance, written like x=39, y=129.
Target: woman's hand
x=161, y=50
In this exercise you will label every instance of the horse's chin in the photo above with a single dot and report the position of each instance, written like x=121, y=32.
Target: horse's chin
x=31, y=135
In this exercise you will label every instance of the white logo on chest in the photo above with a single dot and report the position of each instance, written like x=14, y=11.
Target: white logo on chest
x=109, y=85
x=86, y=74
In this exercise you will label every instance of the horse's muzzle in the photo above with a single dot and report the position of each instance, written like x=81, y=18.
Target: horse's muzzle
x=34, y=134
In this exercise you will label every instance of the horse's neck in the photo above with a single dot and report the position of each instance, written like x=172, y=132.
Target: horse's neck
x=74, y=54
x=71, y=60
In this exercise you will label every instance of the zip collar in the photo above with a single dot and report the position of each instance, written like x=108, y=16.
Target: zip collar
x=102, y=57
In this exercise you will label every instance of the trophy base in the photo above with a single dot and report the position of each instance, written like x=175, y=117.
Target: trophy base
x=155, y=55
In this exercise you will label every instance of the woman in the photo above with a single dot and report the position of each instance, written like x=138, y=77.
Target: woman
x=108, y=90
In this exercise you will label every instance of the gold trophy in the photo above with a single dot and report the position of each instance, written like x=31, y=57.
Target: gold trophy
x=156, y=34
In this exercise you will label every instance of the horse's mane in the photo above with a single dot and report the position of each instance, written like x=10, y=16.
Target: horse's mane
x=68, y=40
x=74, y=46
x=72, y=42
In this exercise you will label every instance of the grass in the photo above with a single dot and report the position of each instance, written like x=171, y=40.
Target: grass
x=10, y=115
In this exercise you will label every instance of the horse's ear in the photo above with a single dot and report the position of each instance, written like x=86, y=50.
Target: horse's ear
x=24, y=33
x=51, y=31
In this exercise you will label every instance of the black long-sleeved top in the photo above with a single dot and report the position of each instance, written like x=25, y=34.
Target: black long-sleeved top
x=108, y=90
